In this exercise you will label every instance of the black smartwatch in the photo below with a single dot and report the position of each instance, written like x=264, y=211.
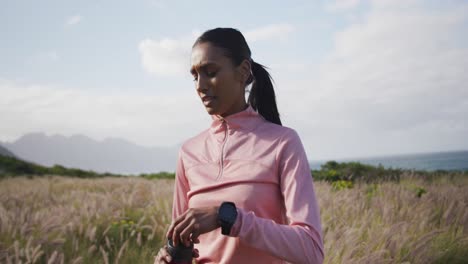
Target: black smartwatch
x=227, y=214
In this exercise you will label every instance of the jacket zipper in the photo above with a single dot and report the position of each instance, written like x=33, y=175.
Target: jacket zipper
x=221, y=158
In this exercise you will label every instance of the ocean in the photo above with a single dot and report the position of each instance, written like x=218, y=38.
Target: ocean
x=454, y=160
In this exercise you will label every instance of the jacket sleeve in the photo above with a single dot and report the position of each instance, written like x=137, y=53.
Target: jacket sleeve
x=301, y=240
x=181, y=188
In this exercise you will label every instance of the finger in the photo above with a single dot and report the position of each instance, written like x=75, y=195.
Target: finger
x=195, y=253
x=178, y=229
x=166, y=252
x=163, y=255
x=174, y=224
x=158, y=258
x=160, y=261
x=185, y=234
x=169, y=231
x=195, y=234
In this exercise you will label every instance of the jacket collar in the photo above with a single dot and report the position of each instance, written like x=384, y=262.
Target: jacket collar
x=245, y=120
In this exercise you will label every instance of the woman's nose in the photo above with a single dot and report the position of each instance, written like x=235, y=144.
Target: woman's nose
x=201, y=84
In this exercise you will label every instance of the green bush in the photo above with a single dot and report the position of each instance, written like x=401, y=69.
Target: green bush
x=420, y=191
x=355, y=172
x=340, y=185
x=10, y=166
x=160, y=175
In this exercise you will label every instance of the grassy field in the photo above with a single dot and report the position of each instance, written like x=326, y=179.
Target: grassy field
x=52, y=219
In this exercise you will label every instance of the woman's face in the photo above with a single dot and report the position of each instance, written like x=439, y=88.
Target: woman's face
x=219, y=84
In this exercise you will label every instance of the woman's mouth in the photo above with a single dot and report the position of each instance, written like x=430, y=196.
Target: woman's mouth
x=208, y=100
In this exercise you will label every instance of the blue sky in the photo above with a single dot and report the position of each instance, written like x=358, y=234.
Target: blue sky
x=354, y=77
x=104, y=40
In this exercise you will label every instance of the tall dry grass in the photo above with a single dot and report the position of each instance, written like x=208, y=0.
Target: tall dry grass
x=391, y=223
x=123, y=220
x=67, y=220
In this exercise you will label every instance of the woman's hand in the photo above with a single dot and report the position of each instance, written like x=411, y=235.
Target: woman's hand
x=164, y=257
x=194, y=222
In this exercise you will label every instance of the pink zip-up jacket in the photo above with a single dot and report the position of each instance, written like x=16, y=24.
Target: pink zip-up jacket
x=261, y=167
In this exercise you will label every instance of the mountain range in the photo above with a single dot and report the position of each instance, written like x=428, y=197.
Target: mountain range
x=6, y=152
x=78, y=151
x=120, y=156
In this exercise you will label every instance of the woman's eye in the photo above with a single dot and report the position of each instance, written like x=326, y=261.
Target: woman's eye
x=195, y=78
x=211, y=74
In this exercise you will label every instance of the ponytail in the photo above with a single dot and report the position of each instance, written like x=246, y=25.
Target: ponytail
x=262, y=95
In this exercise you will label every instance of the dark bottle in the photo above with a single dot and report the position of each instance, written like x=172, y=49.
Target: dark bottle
x=180, y=254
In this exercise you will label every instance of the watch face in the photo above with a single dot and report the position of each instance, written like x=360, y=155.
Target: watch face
x=228, y=212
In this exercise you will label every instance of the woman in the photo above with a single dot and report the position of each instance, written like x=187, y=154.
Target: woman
x=243, y=189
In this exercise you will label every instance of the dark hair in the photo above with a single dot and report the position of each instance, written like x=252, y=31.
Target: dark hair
x=262, y=95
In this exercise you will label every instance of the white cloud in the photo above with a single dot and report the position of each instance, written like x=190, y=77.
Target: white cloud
x=73, y=20
x=166, y=56
x=395, y=82
x=171, y=56
x=150, y=120
x=274, y=31
x=399, y=58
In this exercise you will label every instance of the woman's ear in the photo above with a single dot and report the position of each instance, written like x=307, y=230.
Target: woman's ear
x=244, y=71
